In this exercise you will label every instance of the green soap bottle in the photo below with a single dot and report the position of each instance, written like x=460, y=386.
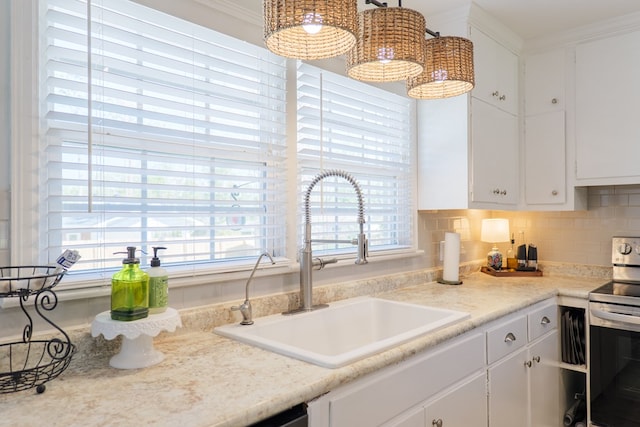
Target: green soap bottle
x=158, y=284
x=130, y=290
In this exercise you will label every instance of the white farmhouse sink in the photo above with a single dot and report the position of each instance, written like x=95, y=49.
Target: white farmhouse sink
x=344, y=332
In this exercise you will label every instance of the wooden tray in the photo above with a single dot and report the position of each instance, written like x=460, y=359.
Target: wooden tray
x=510, y=273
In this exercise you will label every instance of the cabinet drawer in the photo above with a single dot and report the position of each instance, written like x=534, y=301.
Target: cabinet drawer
x=542, y=320
x=506, y=338
x=388, y=393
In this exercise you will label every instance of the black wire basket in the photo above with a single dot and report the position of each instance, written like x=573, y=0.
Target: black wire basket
x=28, y=280
x=31, y=363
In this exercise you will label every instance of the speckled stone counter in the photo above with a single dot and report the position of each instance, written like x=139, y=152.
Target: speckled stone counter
x=208, y=380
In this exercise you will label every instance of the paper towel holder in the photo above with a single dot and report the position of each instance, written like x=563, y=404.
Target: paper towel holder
x=451, y=272
x=449, y=282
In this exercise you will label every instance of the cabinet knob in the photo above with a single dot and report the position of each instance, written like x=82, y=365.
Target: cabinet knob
x=554, y=100
x=503, y=193
x=554, y=193
x=502, y=97
x=437, y=423
x=527, y=364
x=496, y=94
x=536, y=359
x=545, y=320
x=510, y=337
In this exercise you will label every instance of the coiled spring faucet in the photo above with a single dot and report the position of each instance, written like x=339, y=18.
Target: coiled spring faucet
x=307, y=263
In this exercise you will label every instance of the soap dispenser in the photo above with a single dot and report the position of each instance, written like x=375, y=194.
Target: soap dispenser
x=158, y=284
x=130, y=289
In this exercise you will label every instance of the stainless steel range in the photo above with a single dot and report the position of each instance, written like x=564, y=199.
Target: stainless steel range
x=614, y=313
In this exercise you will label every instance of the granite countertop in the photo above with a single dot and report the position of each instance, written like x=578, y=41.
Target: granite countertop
x=209, y=380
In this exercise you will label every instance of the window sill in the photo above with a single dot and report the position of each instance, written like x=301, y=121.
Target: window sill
x=87, y=288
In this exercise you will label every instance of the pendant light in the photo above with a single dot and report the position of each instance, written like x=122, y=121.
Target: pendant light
x=448, y=69
x=390, y=44
x=310, y=29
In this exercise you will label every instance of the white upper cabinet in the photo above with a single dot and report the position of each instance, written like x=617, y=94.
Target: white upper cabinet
x=494, y=154
x=607, y=125
x=544, y=82
x=548, y=155
x=468, y=146
x=496, y=69
x=545, y=142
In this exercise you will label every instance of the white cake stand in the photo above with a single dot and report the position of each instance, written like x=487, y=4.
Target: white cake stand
x=137, y=343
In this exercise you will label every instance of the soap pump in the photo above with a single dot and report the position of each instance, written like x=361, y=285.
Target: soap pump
x=158, y=284
x=130, y=289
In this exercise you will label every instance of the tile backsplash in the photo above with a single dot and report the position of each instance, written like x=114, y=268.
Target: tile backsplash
x=582, y=237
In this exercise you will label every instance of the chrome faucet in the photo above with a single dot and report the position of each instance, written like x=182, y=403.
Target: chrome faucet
x=307, y=262
x=245, y=307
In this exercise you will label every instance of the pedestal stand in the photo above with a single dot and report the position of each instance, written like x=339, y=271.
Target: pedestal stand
x=137, y=342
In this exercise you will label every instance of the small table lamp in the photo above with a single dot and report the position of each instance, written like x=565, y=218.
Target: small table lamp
x=493, y=231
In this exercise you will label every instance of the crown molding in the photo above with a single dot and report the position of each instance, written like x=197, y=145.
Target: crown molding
x=489, y=25
x=606, y=28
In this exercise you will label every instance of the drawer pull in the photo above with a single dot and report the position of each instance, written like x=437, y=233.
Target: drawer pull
x=510, y=337
x=527, y=364
x=437, y=423
x=536, y=359
x=545, y=320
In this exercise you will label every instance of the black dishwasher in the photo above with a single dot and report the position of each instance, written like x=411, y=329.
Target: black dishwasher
x=294, y=417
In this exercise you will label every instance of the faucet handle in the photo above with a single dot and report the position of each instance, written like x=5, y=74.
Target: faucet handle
x=319, y=263
x=245, y=309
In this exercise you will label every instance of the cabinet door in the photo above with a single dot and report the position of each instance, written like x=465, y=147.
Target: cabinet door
x=464, y=406
x=508, y=406
x=545, y=382
x=545, y=159
x=544, y=88
x=607, y=125
x=496, y=70
x=413, y=418
x=388, y=393
x=494, y=147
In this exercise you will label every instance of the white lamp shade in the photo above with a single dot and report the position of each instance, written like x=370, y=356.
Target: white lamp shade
x=495, y=230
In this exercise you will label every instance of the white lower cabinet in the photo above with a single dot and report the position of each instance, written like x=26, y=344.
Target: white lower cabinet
x=503, y=375
x=464, y=404
x=524, y=386
x=544, y=383
x=395, y=390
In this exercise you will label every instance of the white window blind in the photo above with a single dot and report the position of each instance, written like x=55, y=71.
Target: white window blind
x=366, y=131
x=183, y=145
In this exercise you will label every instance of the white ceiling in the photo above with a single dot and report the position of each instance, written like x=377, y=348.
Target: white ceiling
x=528, y=18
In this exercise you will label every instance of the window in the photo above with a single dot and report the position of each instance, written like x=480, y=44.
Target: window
x=183, y=144
x=366, y=131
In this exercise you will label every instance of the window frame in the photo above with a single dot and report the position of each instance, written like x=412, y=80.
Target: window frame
x=25, y=230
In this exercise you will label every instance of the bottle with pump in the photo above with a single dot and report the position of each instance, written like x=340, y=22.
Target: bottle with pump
x=130, y=289
x=512, y=261
x=158, y=284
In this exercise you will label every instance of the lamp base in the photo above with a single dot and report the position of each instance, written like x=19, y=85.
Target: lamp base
x=494, y=258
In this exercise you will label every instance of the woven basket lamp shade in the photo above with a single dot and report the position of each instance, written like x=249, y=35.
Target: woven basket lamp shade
x=448, y=69
x=390, y=46
x=310, y=29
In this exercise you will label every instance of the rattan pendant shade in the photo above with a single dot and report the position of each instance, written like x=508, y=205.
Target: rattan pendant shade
x=448, y=69
x=390, y=45
x=289, y=27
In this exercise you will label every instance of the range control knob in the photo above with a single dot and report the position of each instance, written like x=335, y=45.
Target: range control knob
x=624, y=249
